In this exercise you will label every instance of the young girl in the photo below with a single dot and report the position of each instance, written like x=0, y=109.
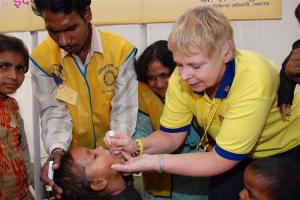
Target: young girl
x=272, y=179
x=14, y=60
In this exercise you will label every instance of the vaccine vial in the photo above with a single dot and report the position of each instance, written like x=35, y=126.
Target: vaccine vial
x=111, y=134
x=50, y=176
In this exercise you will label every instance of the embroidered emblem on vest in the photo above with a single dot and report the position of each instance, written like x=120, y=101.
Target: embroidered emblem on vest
x=58, y=74
x=109, y=78
x=109, y=74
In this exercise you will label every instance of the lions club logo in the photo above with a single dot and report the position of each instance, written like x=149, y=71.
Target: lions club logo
x=108, y=74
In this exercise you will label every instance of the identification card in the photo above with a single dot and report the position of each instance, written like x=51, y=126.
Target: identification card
x=66, y=94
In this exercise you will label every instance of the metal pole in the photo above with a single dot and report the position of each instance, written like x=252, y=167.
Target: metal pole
x=36, y=136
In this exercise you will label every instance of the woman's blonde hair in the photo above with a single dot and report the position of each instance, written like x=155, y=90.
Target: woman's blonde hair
x=204, y=29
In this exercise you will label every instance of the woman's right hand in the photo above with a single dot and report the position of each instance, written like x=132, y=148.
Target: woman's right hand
x=120, y=143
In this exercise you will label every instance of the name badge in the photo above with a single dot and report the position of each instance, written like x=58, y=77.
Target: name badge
x=66, y=94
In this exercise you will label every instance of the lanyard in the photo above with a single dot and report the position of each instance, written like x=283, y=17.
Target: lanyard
x=204, y=142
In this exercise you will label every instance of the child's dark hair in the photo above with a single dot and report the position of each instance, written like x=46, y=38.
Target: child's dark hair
x=10, y=43
x=71, y=177
x=282, y=175
x=60, y=6
x=157, y=51
x=297, y=13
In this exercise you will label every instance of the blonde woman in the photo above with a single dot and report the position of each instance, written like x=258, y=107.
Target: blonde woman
x=233, y=95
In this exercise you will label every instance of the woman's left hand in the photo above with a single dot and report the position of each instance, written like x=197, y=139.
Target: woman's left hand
x=138, y=164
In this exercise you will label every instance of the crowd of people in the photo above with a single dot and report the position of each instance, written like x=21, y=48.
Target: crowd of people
x=200, y=118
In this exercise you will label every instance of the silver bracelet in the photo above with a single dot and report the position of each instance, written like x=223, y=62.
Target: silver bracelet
x=161, y=163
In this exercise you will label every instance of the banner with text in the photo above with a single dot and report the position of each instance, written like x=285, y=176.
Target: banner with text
x=16, y=15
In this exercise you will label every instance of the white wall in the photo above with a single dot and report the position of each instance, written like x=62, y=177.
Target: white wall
x=273, y=38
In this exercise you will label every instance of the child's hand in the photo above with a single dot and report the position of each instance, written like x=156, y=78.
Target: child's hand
x=285, y=109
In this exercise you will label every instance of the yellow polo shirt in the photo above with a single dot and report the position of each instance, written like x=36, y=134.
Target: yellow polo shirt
x=248, y=121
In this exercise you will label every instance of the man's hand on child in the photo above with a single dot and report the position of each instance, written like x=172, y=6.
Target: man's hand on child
x=56, y=156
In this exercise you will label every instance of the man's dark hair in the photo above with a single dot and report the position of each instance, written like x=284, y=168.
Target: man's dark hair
x=297, y=13
x=157, y=51
x=282, y=175
x=10, y=43
x=71, y=177
x=61, y=6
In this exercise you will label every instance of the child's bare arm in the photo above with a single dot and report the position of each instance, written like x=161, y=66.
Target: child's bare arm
x=293, y=66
